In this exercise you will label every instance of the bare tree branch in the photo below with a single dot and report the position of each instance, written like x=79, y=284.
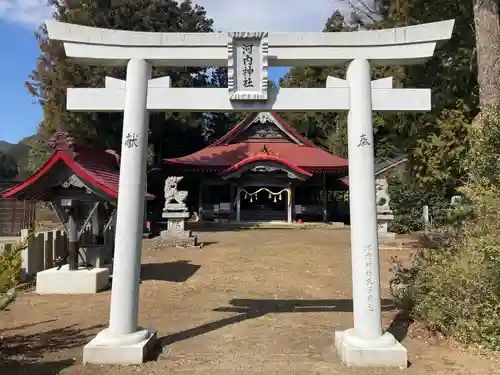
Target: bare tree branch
x=367, y=7
x=361, y=7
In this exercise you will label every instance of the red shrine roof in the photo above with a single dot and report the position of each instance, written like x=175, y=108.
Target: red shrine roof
x=97, y=169
x=269, y=137
x=269, y=158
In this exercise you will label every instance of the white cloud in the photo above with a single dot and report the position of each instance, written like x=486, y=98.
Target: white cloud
x=270, y=15
x=25, y=12
x=244, y=15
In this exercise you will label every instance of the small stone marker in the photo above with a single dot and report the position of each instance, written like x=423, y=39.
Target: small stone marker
x=385, y=215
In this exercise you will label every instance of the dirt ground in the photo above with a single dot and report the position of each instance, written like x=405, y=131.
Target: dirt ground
x=261, y=301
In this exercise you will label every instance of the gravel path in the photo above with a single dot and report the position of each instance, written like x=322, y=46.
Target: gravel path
x=249, y=302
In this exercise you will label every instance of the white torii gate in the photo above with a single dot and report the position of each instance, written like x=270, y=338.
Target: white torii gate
x=248, y=55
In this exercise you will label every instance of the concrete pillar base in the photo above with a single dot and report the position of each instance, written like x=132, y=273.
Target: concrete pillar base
x=66, y=281
x=383, y=352
x=131, y=349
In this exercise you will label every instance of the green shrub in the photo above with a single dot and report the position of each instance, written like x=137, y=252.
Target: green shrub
x=408, y=198
x=10, y=266
x=455, y=288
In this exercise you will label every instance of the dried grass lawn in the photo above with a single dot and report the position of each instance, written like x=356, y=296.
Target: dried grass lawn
x=261, y=301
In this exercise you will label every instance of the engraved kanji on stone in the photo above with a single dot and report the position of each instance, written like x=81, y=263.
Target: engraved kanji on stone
x=131, y=140
x=247, y=82
x=363, y=141
x=248, y=69
x=247, y=48
x=248, y=60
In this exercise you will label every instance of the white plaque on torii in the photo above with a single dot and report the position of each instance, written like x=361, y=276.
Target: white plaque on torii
x=247, y=66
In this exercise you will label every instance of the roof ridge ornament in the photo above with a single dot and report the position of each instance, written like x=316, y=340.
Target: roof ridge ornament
x=264, y=151
x=62, y=141
x=264, y=117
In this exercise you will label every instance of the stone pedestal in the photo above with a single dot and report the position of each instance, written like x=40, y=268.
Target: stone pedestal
x=176, y=234
x=384, y=351
x=130, y=349
x=66, y=281
x=384, y=218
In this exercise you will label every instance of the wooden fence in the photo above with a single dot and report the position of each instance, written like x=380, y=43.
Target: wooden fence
x=14, y=214
x=43, y=248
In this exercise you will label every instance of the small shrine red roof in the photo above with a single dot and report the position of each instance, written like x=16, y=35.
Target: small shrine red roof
x=279, y=139
x=97, y=169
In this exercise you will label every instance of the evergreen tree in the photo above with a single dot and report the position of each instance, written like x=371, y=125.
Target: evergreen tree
x=219, y=123
x=329, y=129
x=54, y=72
x=8, y=167
x=436, y=141
x=322, y=128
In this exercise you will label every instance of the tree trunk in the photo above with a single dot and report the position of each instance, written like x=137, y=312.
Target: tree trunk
x=487, y=25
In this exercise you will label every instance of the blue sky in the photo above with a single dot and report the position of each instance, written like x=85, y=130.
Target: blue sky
x=20, y=115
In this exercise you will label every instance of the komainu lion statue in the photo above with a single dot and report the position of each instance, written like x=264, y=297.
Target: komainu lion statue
x=382, y=194
x=172, y=194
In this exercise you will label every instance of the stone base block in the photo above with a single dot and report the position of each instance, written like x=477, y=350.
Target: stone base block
x=387, y=355
x=128, y=350
x=64, y=281
x=178, y=238
x=180, y=241
x=168, y=234
x=386, y=236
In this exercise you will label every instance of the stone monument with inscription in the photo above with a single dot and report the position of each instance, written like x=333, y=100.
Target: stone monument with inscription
x=176, y=213
x=384, y=212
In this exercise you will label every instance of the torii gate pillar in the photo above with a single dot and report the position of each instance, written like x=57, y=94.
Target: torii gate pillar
x=248, y=56
x=366, y=344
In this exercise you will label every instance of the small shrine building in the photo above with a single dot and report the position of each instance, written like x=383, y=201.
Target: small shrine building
x=81, y=184
x=264, y=170
x=73, y=171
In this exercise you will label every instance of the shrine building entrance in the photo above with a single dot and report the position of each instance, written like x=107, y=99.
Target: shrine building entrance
x=259, y=203
x=264, y=170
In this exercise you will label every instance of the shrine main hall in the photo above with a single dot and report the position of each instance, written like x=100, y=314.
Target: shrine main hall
x=263, y=170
